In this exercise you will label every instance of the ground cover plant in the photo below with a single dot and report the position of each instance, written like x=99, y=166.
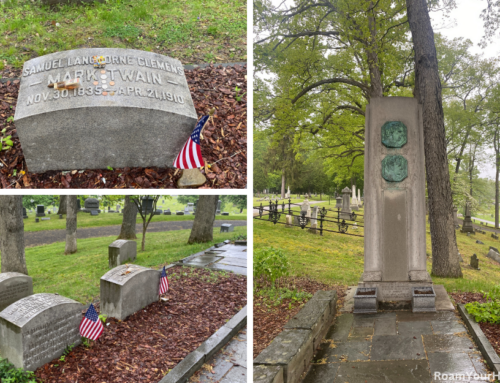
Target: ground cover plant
x=77, y=276
x=194, y=32
x=223, y=146
x=148, y=344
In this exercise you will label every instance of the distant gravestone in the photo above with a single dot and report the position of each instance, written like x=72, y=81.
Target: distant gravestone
x=167, y=212
x=147, y=205
x=494, y=236
x=190, y=206
x=225, y=213
x=226, y=228
x=14, y=286
x=479, y=242
x=338, y=204
x=288, y=221
x=94, y=212
x=492, y=254
x=122, y=251
x=127, y=289
x=60, y=216
x=25, y=214
x=467, y=226
x=46, y=219
x=91, y=204
x=78, y=204
x=37, y=329
x=179, y=213
x=494, y=249
x=474, y=262
x=37, y=220
x=157, y=212
x=314, y=220
x=40, y=211
x=134, y=87
x=186, y=211
x=345, y=213
x=217, y=211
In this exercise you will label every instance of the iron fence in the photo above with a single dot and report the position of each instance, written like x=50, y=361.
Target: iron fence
x=339, y=223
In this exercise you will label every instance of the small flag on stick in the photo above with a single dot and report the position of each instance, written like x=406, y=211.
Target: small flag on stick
x=190, y=155
x=91, y=326
x=163, y=282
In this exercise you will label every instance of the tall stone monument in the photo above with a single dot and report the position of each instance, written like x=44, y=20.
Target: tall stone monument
x=136, y=111
x=345, y=213
x=395, y=257
x=467, y=226
x=354, y=201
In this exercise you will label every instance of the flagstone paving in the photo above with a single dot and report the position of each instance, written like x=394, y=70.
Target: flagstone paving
x=229, y=365
x=397, y=346
x=227, y=258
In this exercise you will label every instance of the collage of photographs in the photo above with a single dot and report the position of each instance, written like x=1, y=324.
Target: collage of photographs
x=309, y=185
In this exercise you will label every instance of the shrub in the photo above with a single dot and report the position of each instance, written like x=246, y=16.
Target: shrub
x=270, y=264
x=486, y=312
x=10, y=374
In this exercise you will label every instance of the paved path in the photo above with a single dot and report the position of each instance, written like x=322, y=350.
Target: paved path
x=37, y=238
x=227, y=257
x=229, y=365
x=395, y=347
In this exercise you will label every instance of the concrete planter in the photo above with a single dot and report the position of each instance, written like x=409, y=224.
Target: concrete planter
x=365, y=303
x=423, y=303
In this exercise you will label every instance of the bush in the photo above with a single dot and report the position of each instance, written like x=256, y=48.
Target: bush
x=270, y=264
x=10, y=374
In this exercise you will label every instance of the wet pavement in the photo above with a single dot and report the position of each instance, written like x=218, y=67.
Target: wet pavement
x=227, y=258
x=397, y=346
x=229, y=365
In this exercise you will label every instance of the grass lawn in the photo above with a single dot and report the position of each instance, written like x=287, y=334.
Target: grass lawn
x=336, y=258
x=108, y=219
x=77, y=276
x=193, y=31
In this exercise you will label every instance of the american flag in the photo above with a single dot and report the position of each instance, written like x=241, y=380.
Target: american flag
x=163, y=282
x=190, y=155
x=91, y=326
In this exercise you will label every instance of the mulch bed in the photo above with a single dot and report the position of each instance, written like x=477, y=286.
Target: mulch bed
x=147, y=344
x=211, y=87
x=492, y=331
x=270, y=320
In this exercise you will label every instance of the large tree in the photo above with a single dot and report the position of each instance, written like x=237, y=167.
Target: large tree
x=129, y=220
x=12, y=234
x=203, y=225
x=71, y=221
x=445, y=260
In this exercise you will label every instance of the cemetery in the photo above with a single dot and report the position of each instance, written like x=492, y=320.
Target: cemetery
x=376, y=204
x=151, y=339
x=169, y=94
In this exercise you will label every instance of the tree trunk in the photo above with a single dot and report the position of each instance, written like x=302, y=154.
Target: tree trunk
x=445, y=261
x=63, y=205
x=71, y=216
x=496, y=145
x=283, y=184
x=12, y=234
x=129, y=220
x=203, y=225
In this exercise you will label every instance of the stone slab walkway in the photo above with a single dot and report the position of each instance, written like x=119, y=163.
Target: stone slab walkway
x=228, y=258
x=45, y=237
x=229, y=365
x=395, y=347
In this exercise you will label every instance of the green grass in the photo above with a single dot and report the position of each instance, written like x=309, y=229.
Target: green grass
x=339, y=259
x=77, y=276
x=190, y=30
x=108, y=219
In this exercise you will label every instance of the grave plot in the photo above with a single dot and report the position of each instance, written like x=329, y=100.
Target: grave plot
x=152, y=341
x=223, y=145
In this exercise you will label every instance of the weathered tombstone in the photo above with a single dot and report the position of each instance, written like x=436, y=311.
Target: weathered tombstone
x=157, y=212
x=288, y=221
x=226, y=228
x=354, y=200
x=190, y=206
x=46, y=219
x=78, y=204
x=167, y=212
x=314, y=220
x=127, y=289
x=95, y=124
x=467, y=226
x=479, y=242
x=60, y=216
x=224, y=213
x=217, y=212
x=179, y=213
x=494, y=236
x=359, y=198
x=122, y=251
x=492, y=254
x=394, y=179
x=147, y=204
x=474, y=262
x=305, y=206
x=37, y=329
x=25, y=214
x=338, y=205
x=91, y=204
x=14, y=286
x=186, y=211
x=37, y=220
x=40, y=211
x=345, y=213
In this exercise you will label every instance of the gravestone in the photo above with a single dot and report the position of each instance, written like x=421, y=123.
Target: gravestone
x=167, y=212
x=354, y=201
x=121, y=251
x=36, y=329
x=46, y=219
x=305, y=206
x=14, y=286
x=359, y=198
x=494, y=236
x=91, y=204
x=158, y=212
x=25, y=214
x=338, y=205
x=394, y=179
x=37, y=220
x=492, y=254
x=93, y=212
x=217, y=212
x=94, y=126
x=288, y=221
x=474, y=262
x=479, y=242
x=186, y=211
x=60, y=216
x=40, y=211
x=179, y=213
x=225, y=213
x=190, y=206
x=226, y=228
x=467, y=226
x=314, y=220
x=127, y=289
x=345, y=213
x=147, y=205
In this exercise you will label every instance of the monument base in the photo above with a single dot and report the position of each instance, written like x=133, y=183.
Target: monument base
x=394, y=291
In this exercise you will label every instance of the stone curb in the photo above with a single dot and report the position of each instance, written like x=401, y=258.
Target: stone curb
x=489, y=353
x=186, y=67
x=193, y=361
x=290, y=353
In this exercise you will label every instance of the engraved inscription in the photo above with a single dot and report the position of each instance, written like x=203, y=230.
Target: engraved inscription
x=394, y=134
x=30, y=306
x=6, y=294
x=394, y=168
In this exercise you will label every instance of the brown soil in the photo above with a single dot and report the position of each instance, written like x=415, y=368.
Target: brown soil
x=143, y=347
x=423, y=292
x=366, y=292
x=224, y=136
x=269, y=320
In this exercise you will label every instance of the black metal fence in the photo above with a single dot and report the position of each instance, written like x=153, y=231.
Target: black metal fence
x=328, y=220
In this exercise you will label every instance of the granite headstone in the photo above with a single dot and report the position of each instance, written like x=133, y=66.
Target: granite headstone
x=14, y=286
x=122, y=251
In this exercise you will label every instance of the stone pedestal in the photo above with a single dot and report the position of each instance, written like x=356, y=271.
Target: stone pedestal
x=467, y=226
x=395, y=241
x=314, y=221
